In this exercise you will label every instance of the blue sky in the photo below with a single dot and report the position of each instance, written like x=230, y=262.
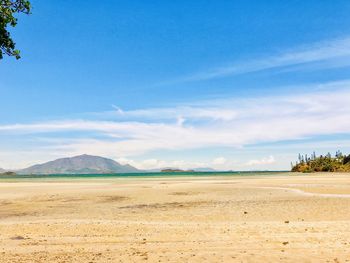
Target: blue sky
x=238, y=85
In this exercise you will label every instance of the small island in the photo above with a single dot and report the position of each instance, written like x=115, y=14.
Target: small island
x=169, y=170
x=326, y=163
x=8, y=174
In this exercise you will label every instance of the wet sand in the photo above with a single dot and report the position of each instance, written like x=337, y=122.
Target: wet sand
x=304, y=218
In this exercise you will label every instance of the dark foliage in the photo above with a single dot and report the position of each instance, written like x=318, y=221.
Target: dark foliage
x=327, y=163
x=8, y=8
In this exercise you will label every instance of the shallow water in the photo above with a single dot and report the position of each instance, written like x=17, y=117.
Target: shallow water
x=142, y=175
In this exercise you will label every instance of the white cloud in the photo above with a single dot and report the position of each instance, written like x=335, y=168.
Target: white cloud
x=180, y=121
x=233, y=123
x=263, y=161
x=219, y=161
x=158, y=164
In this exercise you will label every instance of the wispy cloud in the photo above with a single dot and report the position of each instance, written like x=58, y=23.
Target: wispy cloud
x=225, y=123
x=334, y=53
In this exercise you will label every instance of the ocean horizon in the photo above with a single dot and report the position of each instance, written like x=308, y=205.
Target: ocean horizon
x=144, y=175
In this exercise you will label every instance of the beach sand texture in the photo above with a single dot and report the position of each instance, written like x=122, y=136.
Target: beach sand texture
x=283, y=218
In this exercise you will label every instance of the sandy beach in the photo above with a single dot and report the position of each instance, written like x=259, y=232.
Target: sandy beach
x=281, y=218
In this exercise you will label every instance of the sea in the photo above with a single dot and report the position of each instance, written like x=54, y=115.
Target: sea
x=143, y=175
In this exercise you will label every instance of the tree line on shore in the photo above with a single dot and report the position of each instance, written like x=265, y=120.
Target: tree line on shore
x=7, y=173
x=323, y=163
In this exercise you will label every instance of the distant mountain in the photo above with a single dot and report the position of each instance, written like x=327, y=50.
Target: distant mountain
x=82, y=164
x=2, y=170
x=175, y=170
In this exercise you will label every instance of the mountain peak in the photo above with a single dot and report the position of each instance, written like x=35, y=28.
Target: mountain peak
x=80, y=164
x=82, y=156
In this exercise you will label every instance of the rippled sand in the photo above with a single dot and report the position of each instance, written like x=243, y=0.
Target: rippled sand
x=222, y=219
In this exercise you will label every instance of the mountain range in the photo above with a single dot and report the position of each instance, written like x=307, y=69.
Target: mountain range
x=82, y=164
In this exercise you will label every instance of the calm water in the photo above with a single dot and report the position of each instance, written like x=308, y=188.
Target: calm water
x=143, y=175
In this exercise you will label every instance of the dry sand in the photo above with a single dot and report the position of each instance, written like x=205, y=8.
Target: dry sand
x=223, y=219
